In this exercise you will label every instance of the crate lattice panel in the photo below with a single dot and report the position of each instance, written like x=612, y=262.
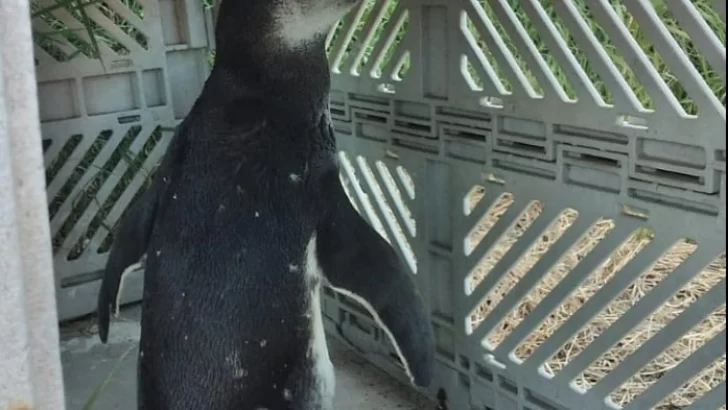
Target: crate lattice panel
x=108, y=102
x=554, y=175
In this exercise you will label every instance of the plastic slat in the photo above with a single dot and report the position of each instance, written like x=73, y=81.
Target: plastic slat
x=514, y=254
x=645, y=306
x=623, y=278
x=711, y=400
x=565, y=287
x=681, y=373
x=534, y=275
x=662, y=340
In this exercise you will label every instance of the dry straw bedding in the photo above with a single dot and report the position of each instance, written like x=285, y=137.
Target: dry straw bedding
x=689, y=343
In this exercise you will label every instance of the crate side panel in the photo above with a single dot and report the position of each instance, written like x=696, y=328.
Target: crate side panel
x=114, y=79
x=570, y=207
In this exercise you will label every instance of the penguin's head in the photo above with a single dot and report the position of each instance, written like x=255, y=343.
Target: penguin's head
x=288, y=24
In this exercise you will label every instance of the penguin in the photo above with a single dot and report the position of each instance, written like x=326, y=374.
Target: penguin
x=244, y=222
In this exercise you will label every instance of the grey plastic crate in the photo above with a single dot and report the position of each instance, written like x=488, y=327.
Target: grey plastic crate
x=591, y=272
x=107, y=121
x=553, y=173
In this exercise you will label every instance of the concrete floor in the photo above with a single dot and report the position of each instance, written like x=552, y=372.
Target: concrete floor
x=87, y=362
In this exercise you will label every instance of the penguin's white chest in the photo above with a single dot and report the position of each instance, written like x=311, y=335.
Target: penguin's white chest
x=323, y=369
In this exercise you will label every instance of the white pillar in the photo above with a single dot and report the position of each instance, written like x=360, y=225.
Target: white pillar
x=30, y=368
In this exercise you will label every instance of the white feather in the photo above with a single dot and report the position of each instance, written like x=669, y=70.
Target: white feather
x=323, y=368
x=297, y=26
x=381, y=324
x=131, y=268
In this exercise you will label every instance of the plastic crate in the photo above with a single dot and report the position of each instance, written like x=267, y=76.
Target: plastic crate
x=106, y=121
x=553, y=172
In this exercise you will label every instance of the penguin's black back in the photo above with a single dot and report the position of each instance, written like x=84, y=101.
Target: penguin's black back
x=228, y=293
x=226, y=321
x=244, y=213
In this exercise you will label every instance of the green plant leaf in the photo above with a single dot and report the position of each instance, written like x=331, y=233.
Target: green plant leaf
x=61, y=4
x=90, y=32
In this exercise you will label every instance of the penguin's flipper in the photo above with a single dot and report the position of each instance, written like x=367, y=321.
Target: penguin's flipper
x=359, y=263
x=126, y=255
